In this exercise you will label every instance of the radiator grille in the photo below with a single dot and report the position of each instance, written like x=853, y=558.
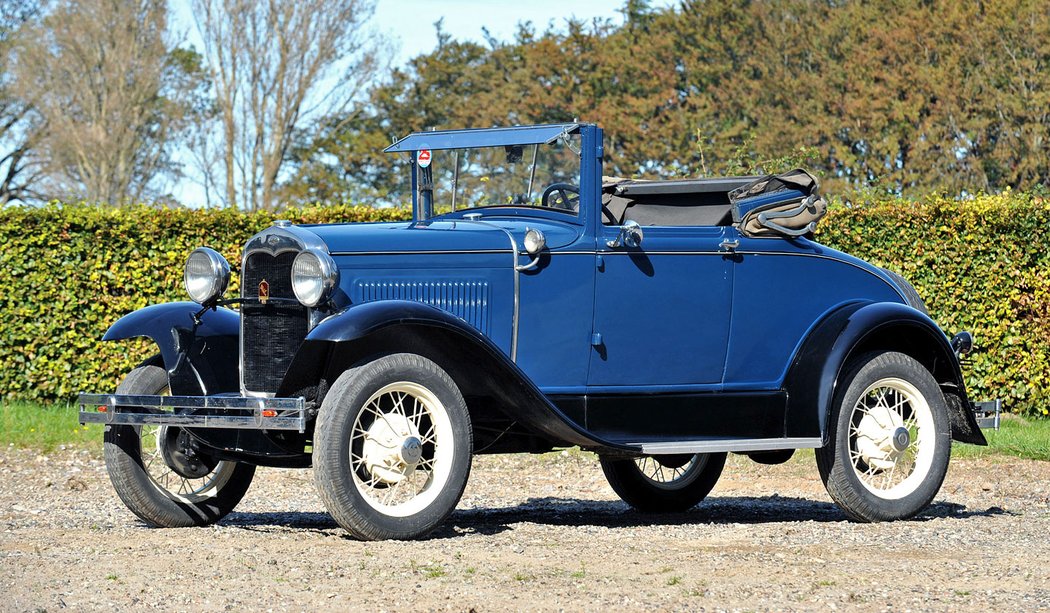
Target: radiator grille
x=468, y=300
x=271, y=332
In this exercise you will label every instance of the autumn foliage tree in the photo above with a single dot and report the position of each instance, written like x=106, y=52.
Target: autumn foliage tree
x=902, y=97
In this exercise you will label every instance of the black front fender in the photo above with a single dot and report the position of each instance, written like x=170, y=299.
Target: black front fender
x=860, y=327
x=200, y=355
x=480, y=368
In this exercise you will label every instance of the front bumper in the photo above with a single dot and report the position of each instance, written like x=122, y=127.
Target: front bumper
x=237, y=412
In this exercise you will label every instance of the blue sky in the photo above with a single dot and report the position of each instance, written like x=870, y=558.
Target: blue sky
x=411, y=22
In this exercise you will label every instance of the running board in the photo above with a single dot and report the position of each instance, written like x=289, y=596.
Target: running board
x=720, y=445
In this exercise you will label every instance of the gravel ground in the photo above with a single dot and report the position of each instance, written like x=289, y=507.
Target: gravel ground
x=532, y=533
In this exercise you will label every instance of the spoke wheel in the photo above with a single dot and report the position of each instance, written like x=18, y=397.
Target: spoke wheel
x=892, y=441
x=664, y=483
x=401, y=449
x=392, y=448
x=888, y=450
x=158, y=482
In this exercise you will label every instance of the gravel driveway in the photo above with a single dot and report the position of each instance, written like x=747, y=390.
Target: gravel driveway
x=532, y=533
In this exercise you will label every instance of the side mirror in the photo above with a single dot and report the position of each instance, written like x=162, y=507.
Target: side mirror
x=630, y=236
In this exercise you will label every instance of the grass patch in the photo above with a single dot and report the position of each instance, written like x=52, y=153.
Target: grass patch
x=1017, y=436
x=46, y=428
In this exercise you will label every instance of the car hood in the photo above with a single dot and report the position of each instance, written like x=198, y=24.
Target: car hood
x=437, y=236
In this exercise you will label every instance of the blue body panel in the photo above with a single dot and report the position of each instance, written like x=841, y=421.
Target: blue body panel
x=663, y=311
x=781, y=290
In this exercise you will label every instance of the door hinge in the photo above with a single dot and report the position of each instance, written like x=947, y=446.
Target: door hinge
x=596, y=340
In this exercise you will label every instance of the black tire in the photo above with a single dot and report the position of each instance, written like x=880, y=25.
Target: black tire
x=367, y=494
x=860, y=463
x=151, y=489
x=638, y=481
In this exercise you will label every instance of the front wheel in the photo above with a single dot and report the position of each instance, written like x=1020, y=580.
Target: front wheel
x=158, y=472
x=891, y=442
x=664, y=483
x=392, y=448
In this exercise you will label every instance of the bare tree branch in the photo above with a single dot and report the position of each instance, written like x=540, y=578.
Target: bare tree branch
x=276, y=65
x=103, y=77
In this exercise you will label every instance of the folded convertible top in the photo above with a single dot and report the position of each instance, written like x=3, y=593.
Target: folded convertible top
x=787, y=204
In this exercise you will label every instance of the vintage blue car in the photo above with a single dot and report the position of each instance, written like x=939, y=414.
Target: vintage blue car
x=534, y=304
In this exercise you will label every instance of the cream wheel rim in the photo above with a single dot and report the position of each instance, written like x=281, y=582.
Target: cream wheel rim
x=891, y=438
x=670, y=477
x=401, y=449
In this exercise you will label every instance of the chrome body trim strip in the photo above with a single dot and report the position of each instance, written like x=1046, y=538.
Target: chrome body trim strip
x=517, y=282
x=239, y=411
x=721, y=445
x=429, y=252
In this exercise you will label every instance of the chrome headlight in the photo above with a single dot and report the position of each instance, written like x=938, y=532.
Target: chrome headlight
x=314, y=276
x=207, y=275
x=535, y=241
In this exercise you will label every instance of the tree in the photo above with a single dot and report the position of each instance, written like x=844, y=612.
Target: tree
x=902, y=96
x=275, y=66
x=102, y=77
x=18, y=132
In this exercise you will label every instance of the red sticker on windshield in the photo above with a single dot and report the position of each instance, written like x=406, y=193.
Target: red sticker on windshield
x=423, y=158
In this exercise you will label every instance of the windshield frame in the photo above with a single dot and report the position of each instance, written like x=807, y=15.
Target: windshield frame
x=589, y=168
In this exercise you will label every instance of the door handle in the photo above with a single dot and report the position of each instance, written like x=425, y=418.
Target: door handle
x=729, y=245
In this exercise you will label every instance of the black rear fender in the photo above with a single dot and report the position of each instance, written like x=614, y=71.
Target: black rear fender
x=503, y=401
x=199, y=355
x=858, y=328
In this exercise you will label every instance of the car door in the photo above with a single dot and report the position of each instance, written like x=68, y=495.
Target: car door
x=661, y=310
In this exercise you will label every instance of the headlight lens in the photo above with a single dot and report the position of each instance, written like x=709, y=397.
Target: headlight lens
x=314, y=276
x=207, y=275
x=535, y=241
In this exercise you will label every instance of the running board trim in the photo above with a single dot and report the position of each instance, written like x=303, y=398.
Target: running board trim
x=720, y=445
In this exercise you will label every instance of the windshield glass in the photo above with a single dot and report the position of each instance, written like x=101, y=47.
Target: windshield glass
x=543, y=175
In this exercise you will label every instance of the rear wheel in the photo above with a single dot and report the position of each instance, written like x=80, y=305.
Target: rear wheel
x=664, y=483
x=392, y=448
x=159, y=474
x=889, y=451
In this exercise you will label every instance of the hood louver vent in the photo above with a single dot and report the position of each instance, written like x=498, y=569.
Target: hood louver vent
x=468, y=300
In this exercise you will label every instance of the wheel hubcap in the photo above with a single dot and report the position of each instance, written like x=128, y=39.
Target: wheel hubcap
x=392, y=448
x=901, y=439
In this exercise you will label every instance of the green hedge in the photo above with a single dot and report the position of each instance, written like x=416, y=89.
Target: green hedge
x=981, y=265
x=68, y=271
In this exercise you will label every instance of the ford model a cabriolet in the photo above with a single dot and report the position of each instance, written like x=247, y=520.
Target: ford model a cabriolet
x=529, y=305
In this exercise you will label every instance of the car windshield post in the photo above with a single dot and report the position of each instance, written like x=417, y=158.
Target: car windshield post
x=455, y=179
x=532, y=173
x=426, y=190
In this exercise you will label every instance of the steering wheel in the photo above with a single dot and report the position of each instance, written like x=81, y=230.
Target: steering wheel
x=567, y=198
